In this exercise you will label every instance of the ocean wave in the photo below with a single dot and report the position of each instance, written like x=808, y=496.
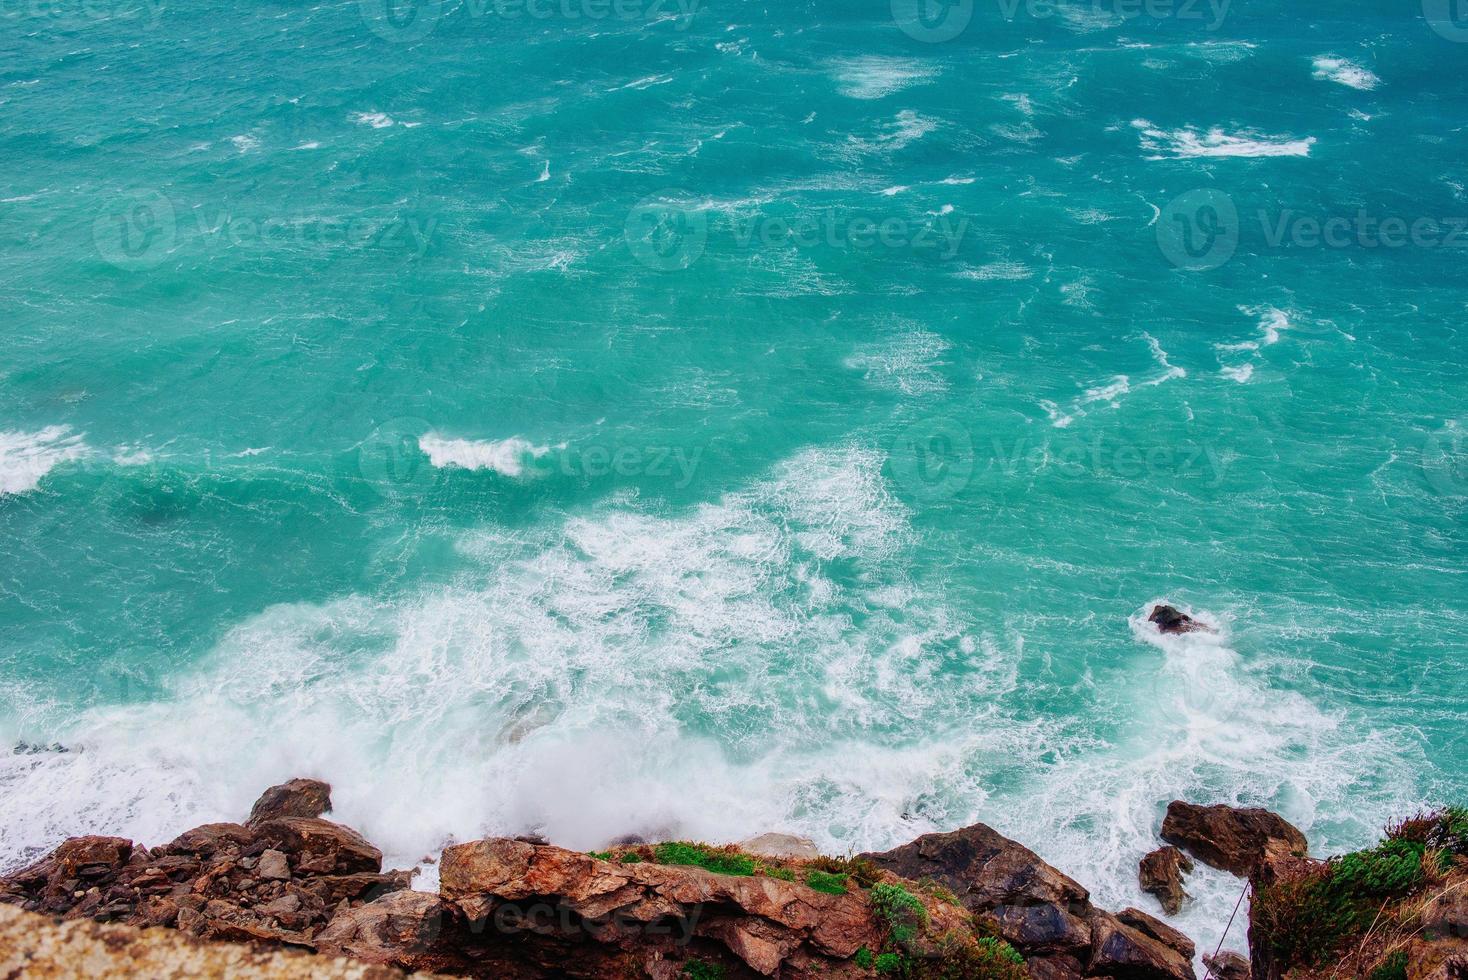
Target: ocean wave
x=504, y=456
x=876, y=77
x=1188, y=143
x=26, y=457
x=1344, y=72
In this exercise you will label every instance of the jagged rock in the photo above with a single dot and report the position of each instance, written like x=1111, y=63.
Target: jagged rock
x=1158, y=930
x=1228, y=966
x=984, y=869
x=1042, y=928
x=781, y=846
x=759, y=921
x=1161, y=874
x=1230, y=838
x=321, y=846
x=210, y=839
x=295, y=798
x=1170, y=620
x=1058, y=967
x=1120, y=951
x=272, y=865
x=405, y=929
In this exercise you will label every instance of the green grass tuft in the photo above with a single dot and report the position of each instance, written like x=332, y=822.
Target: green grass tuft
x=864, y=958
x=722, y=861
x=889, y=963
x=632, y=858
x=830, y=884
x=702, y=970
x=600, y=855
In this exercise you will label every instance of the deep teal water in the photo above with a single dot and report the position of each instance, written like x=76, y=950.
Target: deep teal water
x=763, y=417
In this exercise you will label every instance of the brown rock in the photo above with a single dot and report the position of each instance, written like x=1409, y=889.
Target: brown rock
x=1161, y=874
x=296, y=798
x=1118, y=950
x=210, y=839
x=1230, y=838
x=760, y=921
x=1042, y=928
x=272, y=866
x=984, y=869
x=1228, y=966
x=1059, y=967
x=320, y=846
x=1158, y=930
x=406, y=929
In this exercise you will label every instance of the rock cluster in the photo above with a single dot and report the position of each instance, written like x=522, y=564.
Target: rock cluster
x=278, y=878
x=517, y=909
x=1046, y=916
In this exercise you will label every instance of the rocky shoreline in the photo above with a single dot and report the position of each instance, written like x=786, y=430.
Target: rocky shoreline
x=966, y=904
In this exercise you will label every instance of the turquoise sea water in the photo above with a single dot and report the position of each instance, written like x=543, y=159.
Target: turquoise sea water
x=704, y=420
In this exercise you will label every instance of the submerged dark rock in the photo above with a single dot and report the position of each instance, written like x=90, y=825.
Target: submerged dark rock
x=1171, y=620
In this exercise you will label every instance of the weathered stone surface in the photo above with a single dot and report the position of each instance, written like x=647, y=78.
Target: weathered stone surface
x=760, y=921
x=38, y=948
x=294, y=798
x=1057, y=967
x=984, y=869
x=781, y=846
x=1120, y=951
x=1230, y=838
x=322, y=846
x=1228, y=966
x=1161, y=874
x=272, y=866
x=1158, y=930
x=408, y=929
x=1042, y=928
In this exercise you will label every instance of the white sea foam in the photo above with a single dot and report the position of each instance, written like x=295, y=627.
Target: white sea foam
x=876, y=77
x=1112, y=391
x=26, y=457
x=909, y=363
x=504, y=456
x=1189, y=143
x=1345, y=72
x=377, y=120
x=244, y=143
x=1241, y=373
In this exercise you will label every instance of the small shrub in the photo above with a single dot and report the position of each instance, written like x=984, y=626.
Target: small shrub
x=702, y=970
x=961, y=957
x=600, y=855
x=900, y=910
x=1394, y=967
x=632, y=858
x=830, y=884
x=939, y=891
x=863, y=871
x=864, y=958
x=724, y=861
x=889, y=963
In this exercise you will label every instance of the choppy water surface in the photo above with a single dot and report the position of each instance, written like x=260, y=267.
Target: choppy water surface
x=730, y=417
